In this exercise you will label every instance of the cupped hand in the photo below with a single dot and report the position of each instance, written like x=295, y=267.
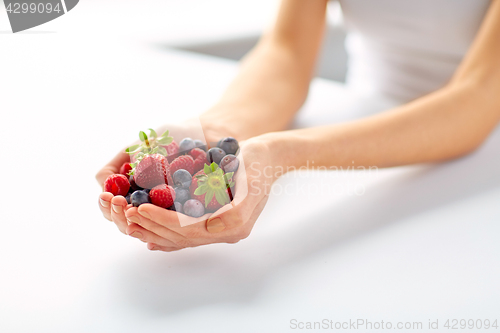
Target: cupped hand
x=113, y=207
x=162, y=230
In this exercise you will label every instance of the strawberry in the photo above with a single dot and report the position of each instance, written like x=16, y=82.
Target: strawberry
x=185, y=162
x=172, y=148
x=151, y=171
x=210, y=186
x=162, y=196
x=125, y=169
x=117, y=184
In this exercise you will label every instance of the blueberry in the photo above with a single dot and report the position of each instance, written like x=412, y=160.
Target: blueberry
x=200, y=144
x=128, y=198
x=138, y=198
x=182, y=178
x=133, y=186
x=215, y=155
x=193, y=208
x=181, y=194
x=229, y=145
x=229, y=163
x=186, y=145
x=178, y=207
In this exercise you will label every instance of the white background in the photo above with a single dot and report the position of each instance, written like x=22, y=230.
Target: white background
x=420, y=242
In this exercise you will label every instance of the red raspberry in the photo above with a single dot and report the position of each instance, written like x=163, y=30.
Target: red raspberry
x=197, y=152
x=199, y=163
x=117, y=184
x=162, y=196
x=185, y=162
x=125, y=169
x=200, y=158
x=172, y=148
x=151, y=171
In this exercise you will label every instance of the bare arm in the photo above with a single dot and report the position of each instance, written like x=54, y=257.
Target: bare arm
x=448, y=123
x=274, y=77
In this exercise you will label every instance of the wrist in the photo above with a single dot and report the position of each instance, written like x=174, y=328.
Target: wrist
x=284, y=151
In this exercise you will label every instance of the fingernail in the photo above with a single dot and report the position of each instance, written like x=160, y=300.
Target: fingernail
x=215, y=225
x=145, y=214
x=117, y=209
x=133, y=219
x=104, y=203
x=136, y=234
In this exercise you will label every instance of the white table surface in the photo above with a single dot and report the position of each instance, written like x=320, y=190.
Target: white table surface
x=420, y=243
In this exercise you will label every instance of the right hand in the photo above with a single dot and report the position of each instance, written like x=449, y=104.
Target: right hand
x=113, y=207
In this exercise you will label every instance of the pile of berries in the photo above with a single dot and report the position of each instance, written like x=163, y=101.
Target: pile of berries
x=185, y=177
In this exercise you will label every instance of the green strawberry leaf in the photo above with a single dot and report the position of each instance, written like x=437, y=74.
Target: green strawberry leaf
x=152, y=133
x=202, y=178
x=231, y=184
x=155, y=150
x=132, y=149
x=162, y=151
x=219, y=172
x=213, y=167
x=221, y=197
x=165, y=140
x=139, y=156
x=142, y=136
x=201, y=189
x=208, y=196
x=165, y=134
x=206, y=169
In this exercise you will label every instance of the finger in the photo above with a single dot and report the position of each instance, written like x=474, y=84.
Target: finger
x=156, y=247
x=118, y=207
x=105, y=204
x=134, y=217
x=146, y=236
x=235, y=234
x=170, y=219
x=235, y=214
x=112, y=167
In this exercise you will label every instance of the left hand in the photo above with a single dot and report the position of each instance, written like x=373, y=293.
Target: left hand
x=160, y=228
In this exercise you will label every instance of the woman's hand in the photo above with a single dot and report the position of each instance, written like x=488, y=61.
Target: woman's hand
x=114, y=207
x=161, y=229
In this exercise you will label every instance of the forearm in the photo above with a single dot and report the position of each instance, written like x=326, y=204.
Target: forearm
x=274, y=78
x=446, y=124
x=265, y=95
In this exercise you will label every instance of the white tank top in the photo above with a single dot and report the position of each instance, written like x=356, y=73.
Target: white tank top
x=404, y=49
